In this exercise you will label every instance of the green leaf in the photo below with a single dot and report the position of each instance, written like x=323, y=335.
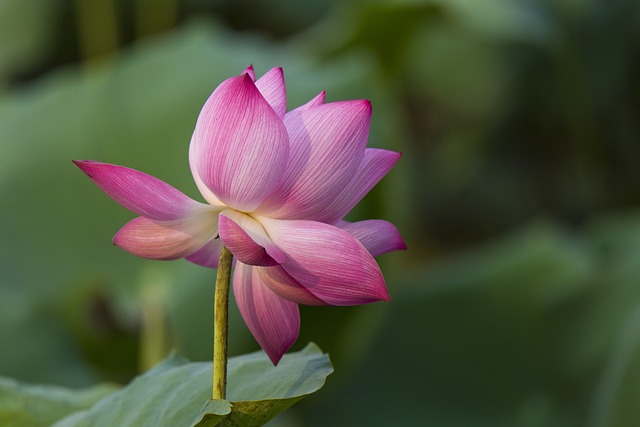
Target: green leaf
x=24, y=405
x=213, y=413
x=173, y=393
x=259, y=391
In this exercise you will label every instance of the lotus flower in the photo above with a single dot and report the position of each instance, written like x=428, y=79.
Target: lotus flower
x=277, y=185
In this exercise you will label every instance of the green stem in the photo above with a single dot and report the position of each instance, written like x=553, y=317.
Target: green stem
x=221, y=325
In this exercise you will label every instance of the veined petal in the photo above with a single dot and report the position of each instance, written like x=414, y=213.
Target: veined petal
x=273, y=321
x=208, y=255
x=317, y=100
x=377, y=235
x=204, y=190
x=271, y=86
x=247, y=240
x=139, y=192
x=375, y=165
x=249, y=70
x=240, y=145
x=281, y=282
x=327, y=261
x=327, y=146
x=167, y=240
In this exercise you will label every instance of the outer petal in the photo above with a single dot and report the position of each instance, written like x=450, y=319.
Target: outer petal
x=273, y=321
x=328, y=261
x=249, y=70
x=327, y=147
x=375, y=165
x=208, y=255
x=167, y=239
x=377, y=235
x=240, y=145
x=281, y=282
x=317, y=100
x=271, y=86
x=204, y=190
x=246, y=239
x=139, y=192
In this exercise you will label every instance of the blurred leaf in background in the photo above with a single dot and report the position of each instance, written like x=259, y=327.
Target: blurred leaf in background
x=34, y=406
x=26, y=28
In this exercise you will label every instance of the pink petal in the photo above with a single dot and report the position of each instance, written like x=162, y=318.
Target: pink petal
x=273, y=321
x=328, y=261
x=166, y=240
x=375, y=165
x=211, y=198
x=317, y=100
x=281, y=282
x=208, y=255
x=139, y=192
x=378, y=236
x=327, y=147
x=240, y=145
x=247, y=240
x=271, y=86
x=249, y=70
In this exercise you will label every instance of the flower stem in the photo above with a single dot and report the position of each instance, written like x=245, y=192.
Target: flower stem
x=221, y=325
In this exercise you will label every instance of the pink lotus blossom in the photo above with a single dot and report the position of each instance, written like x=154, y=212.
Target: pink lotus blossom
x=277, y=185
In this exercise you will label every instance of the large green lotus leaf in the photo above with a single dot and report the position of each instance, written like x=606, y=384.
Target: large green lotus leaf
x=176, y=393
x=23, y=405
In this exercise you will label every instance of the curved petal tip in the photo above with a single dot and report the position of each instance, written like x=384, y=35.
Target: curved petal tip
x=140, y=193
x=240, y=145
x=273, y=321
x=249, y=70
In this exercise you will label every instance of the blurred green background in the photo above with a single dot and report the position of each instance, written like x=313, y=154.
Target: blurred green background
x=518, y=301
